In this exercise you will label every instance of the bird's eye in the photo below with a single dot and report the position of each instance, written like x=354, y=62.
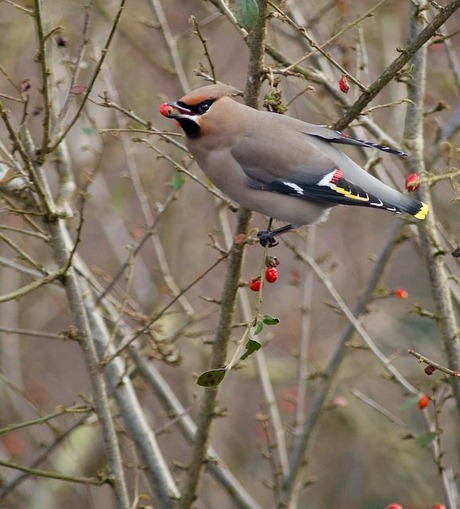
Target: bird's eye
x=204, y=106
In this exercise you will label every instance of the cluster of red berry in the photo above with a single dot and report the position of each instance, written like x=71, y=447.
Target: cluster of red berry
x=271, y=274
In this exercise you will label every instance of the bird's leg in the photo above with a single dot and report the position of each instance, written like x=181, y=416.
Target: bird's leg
x=267, y=237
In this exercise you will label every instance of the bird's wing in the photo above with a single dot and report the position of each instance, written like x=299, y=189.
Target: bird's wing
x=307, y=166
x=331, y=136
x=333, y=188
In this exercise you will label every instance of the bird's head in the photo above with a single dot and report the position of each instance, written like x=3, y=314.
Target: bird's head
x=191, y=110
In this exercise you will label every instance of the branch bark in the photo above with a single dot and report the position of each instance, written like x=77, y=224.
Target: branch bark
x=429, y=237
x=298, y=457
x=228, y=301
x=392, y=70
x=99, y=387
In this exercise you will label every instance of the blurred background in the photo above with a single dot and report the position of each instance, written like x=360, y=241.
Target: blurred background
x=127, y=180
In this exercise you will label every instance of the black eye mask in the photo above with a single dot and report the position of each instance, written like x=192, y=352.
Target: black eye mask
x=197, y=109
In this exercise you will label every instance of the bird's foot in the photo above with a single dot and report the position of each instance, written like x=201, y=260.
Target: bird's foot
x=267, y=238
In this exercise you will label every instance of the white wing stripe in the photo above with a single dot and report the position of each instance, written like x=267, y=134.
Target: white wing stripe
x=296, y=188
x=326, y=180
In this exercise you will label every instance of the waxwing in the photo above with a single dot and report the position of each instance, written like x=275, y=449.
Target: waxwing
x=277, y=165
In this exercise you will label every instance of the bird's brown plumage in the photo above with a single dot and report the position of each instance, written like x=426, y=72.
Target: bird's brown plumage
x=282, y=167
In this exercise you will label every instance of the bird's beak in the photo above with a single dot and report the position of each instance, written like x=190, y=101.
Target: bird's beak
x=174, y=110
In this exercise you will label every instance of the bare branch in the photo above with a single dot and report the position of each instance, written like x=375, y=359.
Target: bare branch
x=397, y=64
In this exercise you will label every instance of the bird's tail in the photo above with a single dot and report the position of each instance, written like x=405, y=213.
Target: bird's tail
x=335, y=188
x=416, y=208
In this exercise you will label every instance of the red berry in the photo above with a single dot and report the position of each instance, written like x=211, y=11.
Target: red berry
x=271, y=274
x=429, y=370
x=412, y=182
x=423, y=401
x=166, y=110
x=343, y=84
x=394, y=506
x=401, y=293
x=439, y=506
x=254, y=284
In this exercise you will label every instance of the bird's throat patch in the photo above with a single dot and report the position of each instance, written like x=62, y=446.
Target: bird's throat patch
x=191, y=128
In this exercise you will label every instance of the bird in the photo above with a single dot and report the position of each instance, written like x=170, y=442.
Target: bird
x=277, y=165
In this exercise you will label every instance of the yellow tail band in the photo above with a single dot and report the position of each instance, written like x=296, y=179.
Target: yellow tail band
x=421, y=214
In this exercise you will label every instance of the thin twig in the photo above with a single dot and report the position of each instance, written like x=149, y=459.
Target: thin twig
x=5, y=262
x=437, y=365
x=203, y=41
x=320, y=48
x=171, y=44
x=325, y=382
x=45, y=75
x=57, y=475
x=383, y=359
x=63, y=133
x=44, y=419
x=77, y=63
x=146, y=208
x=266, y=386
x=163, y=310
x=31, y=287
x=22, y=231
x=383, y=411
x=21, y=253
x=149, y=232
x=206, y=414
x=306, y=309
x=41, y=456
x=33, y=333
x=188, y=428
x=391, y=71
x=429, y=237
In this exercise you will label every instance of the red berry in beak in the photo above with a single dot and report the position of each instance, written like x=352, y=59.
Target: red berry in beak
x=166, y=110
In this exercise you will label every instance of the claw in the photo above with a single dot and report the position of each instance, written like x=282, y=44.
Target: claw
x=267, y=238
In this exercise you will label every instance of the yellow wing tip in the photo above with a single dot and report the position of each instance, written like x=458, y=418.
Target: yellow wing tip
x=421, y=214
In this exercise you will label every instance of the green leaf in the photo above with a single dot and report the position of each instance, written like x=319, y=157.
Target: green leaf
x=88, y=130
x=211, y=378
x=426, y=439
x=247, y=12
x=251, y=347
x=270, y=320
x=259, y=327
x=410, y=403
x=177, y=181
